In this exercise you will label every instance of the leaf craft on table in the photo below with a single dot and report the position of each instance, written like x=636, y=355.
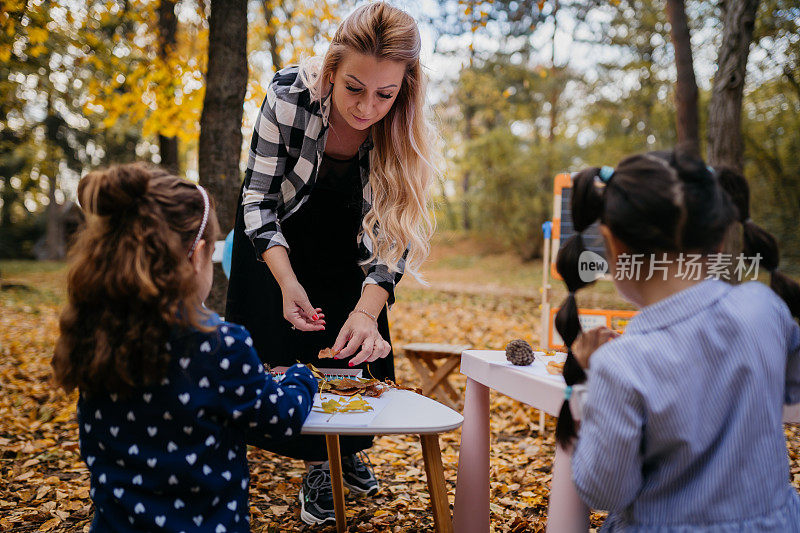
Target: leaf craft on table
x=555, y=368
x=357, y=404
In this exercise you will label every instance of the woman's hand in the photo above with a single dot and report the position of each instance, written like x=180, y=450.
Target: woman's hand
x=297, y=309
x=360, y=332
x=589, y=341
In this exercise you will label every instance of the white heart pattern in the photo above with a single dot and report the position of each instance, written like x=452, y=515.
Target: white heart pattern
x=137, y=480
x=98, y=415
x=184, y=398
x=119, y=492
x=184, y=362
x=114, y=430
x=133, y=450
x=198, y=520
x=274, y=419
x=171, y=446
x=246, y=368
x=131, y=416
x=152, y=430
x=87, y=427
x=188, y=429
x=273, y=398
x=291, y=411
x=173, y=481
x=179, y=503
x=232, y=505
x=224, y=364
x=167, y=416
x=206, y=469
x=161, y=520
x=288, y=432
x=248, y=341
x=220, y=529
x=204, y=383
x=152, y=462
x=102, y=479
x=227, y=475
x=191, y=458
x=139, y=509
x=90, y=460
x=229, y=340
x=240, y=390
x=147, y=396
x=205, y=347
x=236, y=414
x=210, y=440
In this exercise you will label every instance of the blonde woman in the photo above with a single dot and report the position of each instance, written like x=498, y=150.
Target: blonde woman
x=333, y=211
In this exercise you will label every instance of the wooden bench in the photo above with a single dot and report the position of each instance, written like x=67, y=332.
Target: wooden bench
x=434, y=363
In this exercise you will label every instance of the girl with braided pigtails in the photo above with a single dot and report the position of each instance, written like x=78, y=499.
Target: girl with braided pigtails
x=682, y=425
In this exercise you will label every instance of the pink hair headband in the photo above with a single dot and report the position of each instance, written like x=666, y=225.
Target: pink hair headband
x=206, y=207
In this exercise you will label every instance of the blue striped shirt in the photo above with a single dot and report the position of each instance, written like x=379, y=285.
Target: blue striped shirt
x=682, y=426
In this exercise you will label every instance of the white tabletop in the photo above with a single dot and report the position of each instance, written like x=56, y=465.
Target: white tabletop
x=542, y=393
x=539, y=392
x=406, y=413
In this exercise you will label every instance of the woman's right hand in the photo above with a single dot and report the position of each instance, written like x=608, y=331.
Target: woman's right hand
x=298, y=311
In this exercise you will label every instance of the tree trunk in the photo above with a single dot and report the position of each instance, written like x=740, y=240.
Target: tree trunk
x=167, y=37
x=220, y=143
x=686, y=87
x=725, y=145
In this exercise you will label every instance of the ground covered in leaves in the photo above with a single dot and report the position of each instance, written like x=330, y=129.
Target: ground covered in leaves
x=44, y=486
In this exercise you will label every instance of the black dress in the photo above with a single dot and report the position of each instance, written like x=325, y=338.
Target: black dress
x=324, y=254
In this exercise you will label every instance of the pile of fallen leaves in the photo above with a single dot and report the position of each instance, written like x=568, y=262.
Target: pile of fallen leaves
x=44, y=486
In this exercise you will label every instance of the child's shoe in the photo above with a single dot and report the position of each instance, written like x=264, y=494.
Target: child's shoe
x=316, y=496
x=358, y=476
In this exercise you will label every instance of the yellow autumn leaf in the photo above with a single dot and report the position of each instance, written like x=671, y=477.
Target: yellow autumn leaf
x=37, y=35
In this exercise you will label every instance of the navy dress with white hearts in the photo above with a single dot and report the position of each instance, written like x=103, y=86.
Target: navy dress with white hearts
x=172, y=457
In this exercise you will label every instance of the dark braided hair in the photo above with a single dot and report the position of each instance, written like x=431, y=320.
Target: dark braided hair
x=654, y=202
x=757, y=241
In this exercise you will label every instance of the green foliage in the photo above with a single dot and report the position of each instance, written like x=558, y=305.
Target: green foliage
x=771, y=126
x=511, y=198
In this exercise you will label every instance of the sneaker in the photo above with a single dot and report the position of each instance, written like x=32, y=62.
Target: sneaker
x=358, y=476
x=316, y=496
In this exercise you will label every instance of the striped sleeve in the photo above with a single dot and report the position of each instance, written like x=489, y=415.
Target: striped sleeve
x=607, y=461
x=263, y=180
x=792, y=391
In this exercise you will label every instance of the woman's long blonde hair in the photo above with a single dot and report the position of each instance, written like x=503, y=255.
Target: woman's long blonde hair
x=402, y=164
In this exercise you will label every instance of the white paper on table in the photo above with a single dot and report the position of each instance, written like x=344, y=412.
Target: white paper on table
x=347, y=419
x=538, y=367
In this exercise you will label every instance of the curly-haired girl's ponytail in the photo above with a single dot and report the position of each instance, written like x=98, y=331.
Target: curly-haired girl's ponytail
x=757, y=241
x=587, y=206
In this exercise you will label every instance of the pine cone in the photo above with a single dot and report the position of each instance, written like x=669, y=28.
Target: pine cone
x=519, y=352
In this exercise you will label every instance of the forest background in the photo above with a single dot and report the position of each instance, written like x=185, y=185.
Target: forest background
x=521, y=90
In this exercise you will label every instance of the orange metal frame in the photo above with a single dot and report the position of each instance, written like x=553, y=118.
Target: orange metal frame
x=621, y=318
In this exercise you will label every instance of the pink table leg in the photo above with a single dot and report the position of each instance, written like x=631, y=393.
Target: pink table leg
x=566, y=513
x=471, y=513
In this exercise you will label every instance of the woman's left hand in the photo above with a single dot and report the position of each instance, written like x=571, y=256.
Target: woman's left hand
x=360, y=334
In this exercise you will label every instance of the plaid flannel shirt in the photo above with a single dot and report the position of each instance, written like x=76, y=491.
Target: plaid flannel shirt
x=285, y=152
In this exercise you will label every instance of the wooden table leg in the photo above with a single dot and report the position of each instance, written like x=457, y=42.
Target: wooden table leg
x=335, y=461
x=434, y=472
x=471, y=513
